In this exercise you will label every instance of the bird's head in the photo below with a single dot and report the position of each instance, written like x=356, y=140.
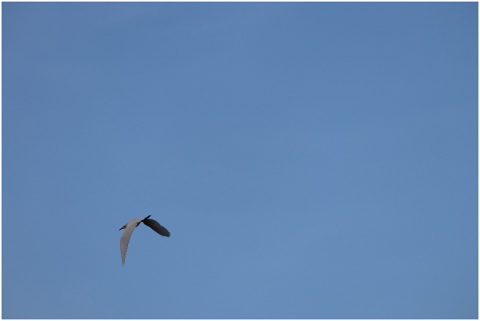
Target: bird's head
x=122, y=227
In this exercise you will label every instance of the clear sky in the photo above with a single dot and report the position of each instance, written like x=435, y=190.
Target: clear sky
x=311, y=160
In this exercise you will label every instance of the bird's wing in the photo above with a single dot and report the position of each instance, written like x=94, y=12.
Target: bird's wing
x=131, y=225
x=154, y=225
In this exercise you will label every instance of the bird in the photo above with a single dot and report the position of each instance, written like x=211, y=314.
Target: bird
x=131, y=225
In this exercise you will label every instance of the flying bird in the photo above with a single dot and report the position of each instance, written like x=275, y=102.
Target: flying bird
x=131, y=225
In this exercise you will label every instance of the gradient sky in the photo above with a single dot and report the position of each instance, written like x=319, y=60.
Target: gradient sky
x=311, y=160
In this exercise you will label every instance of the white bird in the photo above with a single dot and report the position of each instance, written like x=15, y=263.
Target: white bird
x=131, y=225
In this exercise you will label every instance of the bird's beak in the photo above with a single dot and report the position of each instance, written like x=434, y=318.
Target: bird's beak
x=122, y=228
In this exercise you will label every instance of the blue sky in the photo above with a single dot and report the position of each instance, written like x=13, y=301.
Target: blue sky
x=311, y=160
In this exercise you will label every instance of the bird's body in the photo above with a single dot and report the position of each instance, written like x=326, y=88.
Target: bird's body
x=131, y=225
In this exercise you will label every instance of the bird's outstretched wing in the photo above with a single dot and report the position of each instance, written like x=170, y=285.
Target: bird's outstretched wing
x=131, y=225
x=154, y=225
